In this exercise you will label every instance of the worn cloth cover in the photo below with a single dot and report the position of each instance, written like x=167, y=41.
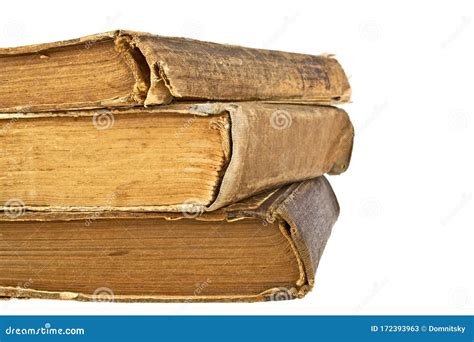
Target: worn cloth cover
x=175, y=69
x=270, y=145
x=306, y=210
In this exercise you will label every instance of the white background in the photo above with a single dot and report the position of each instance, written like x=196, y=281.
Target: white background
x=404, y=241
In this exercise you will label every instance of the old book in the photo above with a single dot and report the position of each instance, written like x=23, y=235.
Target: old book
x=264, y=248
x=168, y=158
x=132, y=69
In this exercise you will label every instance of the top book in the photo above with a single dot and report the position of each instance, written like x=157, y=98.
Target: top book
x=123, y=68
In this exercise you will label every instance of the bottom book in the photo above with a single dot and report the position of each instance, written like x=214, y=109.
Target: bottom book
x=264, y=248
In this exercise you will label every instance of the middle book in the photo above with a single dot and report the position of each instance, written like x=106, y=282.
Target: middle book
x=184, y=157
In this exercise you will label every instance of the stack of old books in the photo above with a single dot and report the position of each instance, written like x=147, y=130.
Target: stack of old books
x=143, y=168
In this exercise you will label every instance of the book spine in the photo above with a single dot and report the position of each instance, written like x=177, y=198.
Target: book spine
x=310, y=210
x=193, y=69
x=274, y=145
